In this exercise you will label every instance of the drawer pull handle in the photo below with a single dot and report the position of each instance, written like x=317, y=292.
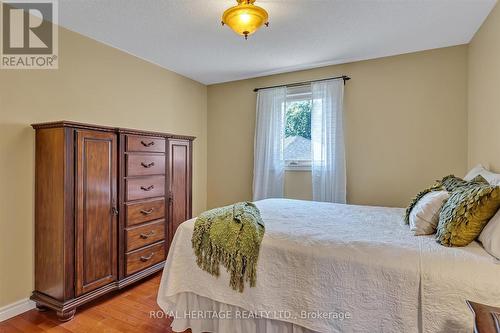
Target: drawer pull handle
x=146, y=258
x=149, y=188
x=147, y=235
x=149, y=165
x=147, y=212
x=148, y=144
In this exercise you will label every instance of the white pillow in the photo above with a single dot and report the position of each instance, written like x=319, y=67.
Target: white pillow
x=490, y=236
x=492, y=178
x=424, y=216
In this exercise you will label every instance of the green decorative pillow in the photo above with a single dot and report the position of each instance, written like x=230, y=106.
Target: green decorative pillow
x=466, y=212
x=448, y=183
x=479, y=179
x=451, y=183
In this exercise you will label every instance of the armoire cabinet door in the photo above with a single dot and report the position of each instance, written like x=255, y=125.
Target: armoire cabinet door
x=96, y=210
x=180, y=182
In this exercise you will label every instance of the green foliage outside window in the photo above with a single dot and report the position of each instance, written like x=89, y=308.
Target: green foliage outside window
x=298, y=119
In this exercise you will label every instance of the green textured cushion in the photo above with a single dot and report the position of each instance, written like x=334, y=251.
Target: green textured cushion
x=466, y=212
x=448, y=183
x=479, y=179
x=451, y=183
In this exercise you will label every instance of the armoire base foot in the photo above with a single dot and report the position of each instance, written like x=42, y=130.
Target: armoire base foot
x=41, y=308
x=66, y=315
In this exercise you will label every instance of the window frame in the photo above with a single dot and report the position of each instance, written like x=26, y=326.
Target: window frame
x=296, y=94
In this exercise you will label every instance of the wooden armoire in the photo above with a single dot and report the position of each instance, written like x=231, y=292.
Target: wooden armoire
x=107, y=203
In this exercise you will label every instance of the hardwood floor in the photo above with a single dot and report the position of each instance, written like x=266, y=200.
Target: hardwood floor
x=127, y=310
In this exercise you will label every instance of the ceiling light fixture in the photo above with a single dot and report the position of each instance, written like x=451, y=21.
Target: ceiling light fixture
x=245, y=18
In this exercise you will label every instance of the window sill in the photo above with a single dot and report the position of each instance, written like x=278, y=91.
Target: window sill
x=298, y=168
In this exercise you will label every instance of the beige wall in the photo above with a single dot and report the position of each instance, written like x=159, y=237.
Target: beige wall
x=96, y=84
x=484, y=94
x=405, y=121
x=298, y=185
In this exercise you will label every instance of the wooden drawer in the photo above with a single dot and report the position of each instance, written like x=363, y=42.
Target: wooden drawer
x=145, y=257
x=145, y=143
x=144, y=211
x=146, y=187
x=144, y=235
x=145, y=164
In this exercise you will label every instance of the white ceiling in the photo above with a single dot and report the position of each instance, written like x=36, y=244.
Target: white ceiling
x=186, y=36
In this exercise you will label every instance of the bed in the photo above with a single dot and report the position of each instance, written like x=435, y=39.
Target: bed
x=327, y=267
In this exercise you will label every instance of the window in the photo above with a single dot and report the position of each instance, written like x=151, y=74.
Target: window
x=300, y=128
x=297, y=145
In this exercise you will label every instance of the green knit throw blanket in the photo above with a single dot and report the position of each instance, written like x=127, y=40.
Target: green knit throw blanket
x=230, y=236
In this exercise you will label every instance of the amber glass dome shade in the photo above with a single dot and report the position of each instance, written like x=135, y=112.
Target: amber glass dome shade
x=245, y=18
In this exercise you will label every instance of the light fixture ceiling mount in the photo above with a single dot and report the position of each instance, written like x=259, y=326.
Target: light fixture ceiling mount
x=245, y=18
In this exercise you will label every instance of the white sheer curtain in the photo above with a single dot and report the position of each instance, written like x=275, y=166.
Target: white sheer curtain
x=327, y=136
x=269, y=165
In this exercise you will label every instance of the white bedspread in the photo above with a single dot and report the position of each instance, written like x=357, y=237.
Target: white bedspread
x=333, y=259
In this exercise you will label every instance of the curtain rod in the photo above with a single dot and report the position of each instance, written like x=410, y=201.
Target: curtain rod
x=343, y=77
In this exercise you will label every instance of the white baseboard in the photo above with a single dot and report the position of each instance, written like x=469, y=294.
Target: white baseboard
x=16, y=308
